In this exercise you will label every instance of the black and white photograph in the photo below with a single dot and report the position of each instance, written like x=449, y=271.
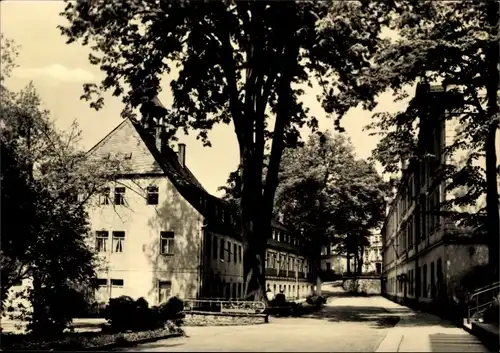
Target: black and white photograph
x=250, y=175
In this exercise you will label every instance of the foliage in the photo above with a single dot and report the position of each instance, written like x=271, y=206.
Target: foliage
x=316, y=300
x=239, y=62
x=47, y=180
x=81, y=341
x=456, y=43
x=123, y=314
x=331, y=196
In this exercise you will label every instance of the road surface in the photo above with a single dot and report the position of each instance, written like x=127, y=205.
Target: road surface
x=345, y=324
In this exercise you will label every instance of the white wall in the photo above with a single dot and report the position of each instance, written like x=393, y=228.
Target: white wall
x=141, y=265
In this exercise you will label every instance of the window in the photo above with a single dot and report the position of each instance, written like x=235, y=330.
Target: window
x=424, y=281
x=101, y=240
x=214, y=248
x=433, y=280
x=221, y=249
x=119, y=196
x=228, y=251
x=167, y=243
x=117, y=282
x=164, y=291
x=234, y=291
x=102, y=282
x=328, y=266
x=118, y=240
x=104, y=196
x=240, y=253
x=418, y=284
x=152, y=197
x=240, y=291
x=439, y=271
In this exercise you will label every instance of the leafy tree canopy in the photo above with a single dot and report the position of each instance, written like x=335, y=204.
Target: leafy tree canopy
x=330, y=195
x=455, y=43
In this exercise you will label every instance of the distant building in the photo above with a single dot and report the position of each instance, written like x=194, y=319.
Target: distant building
x=372, y=259
x=159, y=233
x=332, y=260
x=425, y=255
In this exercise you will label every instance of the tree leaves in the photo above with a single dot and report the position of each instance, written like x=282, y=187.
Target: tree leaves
x=327, y=193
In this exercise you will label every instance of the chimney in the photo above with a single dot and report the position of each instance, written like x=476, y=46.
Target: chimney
x=182, y=154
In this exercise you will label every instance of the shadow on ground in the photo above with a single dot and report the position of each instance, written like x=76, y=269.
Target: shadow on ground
x=375, y=317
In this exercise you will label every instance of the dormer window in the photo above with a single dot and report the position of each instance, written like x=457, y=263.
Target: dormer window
x=152, y=195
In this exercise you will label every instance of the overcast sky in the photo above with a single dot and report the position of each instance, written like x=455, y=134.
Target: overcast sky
x=58, y=71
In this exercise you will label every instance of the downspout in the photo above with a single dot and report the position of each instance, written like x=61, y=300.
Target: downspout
x=201, y=267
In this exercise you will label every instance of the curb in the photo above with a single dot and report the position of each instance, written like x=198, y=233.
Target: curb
x=123, y=344
x=392, y=342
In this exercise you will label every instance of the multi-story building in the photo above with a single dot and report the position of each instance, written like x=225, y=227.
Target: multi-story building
x=160, y=233
x=425, y=255
x=372, y=257
x=333, y=261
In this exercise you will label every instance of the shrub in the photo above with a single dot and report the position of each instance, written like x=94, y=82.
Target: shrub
x=315, y=300
x=123, y=313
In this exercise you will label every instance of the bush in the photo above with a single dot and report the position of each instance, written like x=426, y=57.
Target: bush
x=279, y=299
x=125, y=314
x=316, y=300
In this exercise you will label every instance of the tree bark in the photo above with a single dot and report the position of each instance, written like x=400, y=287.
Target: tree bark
x=257, y=202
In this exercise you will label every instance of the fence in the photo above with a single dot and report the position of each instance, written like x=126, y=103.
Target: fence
x=224, y=306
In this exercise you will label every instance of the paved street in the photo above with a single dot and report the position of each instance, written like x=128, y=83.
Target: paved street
x=354, y=324
x=345, y=324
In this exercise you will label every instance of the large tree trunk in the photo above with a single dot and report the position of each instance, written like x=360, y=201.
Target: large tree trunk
x=253, y=223
x=493, y=216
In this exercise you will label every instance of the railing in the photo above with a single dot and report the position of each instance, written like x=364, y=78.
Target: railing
x=224, y=306
x=481, y=299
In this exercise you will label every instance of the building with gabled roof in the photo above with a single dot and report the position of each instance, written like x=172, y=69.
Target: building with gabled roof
x=159, y=233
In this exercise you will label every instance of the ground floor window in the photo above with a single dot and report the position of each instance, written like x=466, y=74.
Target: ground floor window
x=164, y=291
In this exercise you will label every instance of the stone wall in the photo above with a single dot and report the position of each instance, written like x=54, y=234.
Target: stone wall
x=370, y=286
x=222, y=319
